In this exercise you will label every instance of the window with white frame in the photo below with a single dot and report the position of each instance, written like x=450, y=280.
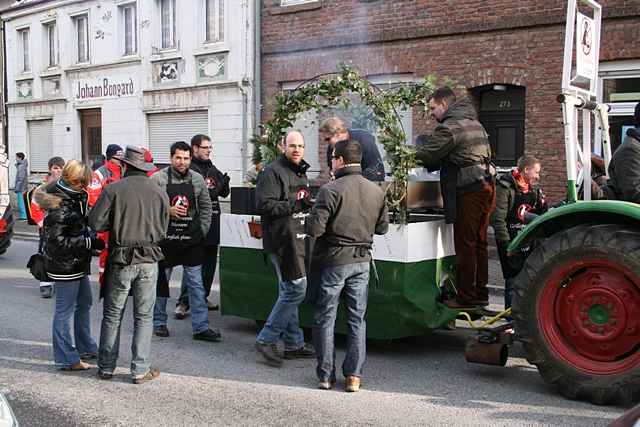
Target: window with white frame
x=214, y=25
x=168, y=24
x=295, y=2
x=51, y=43
x=81, y=24
x=619, y=87
x=24, y=64
x=128, y=19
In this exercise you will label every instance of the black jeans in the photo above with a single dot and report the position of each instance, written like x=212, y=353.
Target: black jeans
x=209, y=261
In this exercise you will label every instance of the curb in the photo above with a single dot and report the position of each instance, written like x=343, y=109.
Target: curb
x=30, y=237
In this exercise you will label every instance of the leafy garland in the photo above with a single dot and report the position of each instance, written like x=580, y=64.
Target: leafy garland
x=328, y=91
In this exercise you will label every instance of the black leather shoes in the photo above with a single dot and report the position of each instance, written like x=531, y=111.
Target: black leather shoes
x=161, y=331
x=208, y=335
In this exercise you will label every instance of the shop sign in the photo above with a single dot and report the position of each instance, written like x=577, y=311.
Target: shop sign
x=104, y=88
x=586, y=47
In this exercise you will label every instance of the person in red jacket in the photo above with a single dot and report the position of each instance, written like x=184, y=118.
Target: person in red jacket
x=106, y=174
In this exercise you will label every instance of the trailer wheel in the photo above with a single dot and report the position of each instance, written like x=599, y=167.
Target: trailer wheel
x=577, y=311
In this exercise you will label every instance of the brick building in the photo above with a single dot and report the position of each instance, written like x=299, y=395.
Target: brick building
x=506, y=54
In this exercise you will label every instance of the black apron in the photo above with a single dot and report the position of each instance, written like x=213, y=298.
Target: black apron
x=183, y=244
x=522, y=203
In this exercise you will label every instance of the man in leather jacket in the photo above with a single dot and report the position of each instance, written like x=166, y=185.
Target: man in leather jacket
x=459, y=147
x=283, y=198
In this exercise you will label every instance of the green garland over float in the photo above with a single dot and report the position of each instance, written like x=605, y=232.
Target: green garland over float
x=329, y=90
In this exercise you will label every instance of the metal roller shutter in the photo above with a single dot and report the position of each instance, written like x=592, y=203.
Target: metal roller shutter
x=167, y=128
x=40, y=144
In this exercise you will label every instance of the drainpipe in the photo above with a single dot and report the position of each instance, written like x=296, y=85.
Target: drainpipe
x=257, y=74
x=245, y=130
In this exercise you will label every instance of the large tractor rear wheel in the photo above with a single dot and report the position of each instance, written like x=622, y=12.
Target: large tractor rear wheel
x=577, y=311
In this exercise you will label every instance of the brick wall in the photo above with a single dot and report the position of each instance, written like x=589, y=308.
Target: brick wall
x=483, y=42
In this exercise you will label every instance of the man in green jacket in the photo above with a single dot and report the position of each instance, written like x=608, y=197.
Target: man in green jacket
x=460, y=148
x=518, y=200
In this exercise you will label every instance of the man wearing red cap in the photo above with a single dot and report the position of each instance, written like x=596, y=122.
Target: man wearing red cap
x=106, y=174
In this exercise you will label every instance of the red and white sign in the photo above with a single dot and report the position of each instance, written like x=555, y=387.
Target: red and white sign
x=585, y=46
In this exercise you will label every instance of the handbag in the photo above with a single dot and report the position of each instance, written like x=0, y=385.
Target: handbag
x=37, y=268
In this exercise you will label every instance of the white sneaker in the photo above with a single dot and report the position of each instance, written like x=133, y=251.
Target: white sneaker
x=180, y=312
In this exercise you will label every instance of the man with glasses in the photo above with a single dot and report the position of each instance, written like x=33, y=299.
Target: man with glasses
x=347, y=213
x=283, y=199
x=334, y=129
x=218, y=185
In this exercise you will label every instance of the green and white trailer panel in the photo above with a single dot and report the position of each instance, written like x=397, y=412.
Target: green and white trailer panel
x=412, y=261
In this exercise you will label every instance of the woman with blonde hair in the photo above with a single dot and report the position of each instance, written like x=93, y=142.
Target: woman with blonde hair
x=67, y=246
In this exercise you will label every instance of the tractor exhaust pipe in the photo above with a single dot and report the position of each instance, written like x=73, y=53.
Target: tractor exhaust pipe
x=495, y=354
x=490, y=346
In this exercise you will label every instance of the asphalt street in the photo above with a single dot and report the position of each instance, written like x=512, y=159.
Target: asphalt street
x=419, y=381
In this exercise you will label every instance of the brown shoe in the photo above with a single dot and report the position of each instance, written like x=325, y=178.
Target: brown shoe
x=152, y=374
x=479, y=302
x=458, y=305
x=352, y=384
x=80, y=366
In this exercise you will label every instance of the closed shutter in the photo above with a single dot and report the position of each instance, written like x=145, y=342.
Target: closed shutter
x=40, y=144
x=167, y=128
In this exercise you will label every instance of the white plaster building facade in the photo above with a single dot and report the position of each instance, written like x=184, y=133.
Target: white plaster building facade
x=85, y=74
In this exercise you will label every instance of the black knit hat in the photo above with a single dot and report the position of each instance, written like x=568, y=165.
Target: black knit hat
x=112, y=150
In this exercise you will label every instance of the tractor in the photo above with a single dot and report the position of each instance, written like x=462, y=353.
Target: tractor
x=577, y=298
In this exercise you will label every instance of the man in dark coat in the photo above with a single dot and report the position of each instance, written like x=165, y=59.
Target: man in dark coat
x=135, y=211
x=334, y=129
x=624, y=168
x=518, y=200
x=22, y=183
x=284, y=200
x=218, y=186
x=460, y=148
x=348, y=211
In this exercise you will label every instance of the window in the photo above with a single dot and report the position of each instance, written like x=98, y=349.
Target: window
x=51, y=47
x=128, y=19
x=23, y=51
x=168, y=20
x=214, y=15
x=295, y=2
x=82, y=35
x=40, y=134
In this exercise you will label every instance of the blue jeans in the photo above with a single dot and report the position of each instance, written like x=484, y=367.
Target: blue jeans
x=72, y=299
x=508, y=292
x=192, y=279
x=21, y=207
x=354, y=279
x=142, y=278
x=283, y=321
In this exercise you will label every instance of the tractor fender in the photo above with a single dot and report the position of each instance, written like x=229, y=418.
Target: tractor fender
x=578, y=213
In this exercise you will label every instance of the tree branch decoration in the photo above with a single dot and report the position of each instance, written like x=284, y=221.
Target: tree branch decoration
x=330, y=90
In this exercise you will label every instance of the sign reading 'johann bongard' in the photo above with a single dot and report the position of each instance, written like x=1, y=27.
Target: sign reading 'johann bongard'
x=105, y=87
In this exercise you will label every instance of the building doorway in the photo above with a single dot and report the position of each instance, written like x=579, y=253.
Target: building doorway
x=502, y=114
x=91, y=134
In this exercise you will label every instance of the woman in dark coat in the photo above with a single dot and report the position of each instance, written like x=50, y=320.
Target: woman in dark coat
x=67, y=245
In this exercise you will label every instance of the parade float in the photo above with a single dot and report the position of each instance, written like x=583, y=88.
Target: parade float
x=414, y=260
x=576, y=300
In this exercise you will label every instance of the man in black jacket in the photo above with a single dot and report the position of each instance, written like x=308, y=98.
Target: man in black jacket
x=348, y=211
x=135, y=211
x=283, y=198
x=519, y=198
x=624, y=168
x=334, y=129
x=218, y=185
